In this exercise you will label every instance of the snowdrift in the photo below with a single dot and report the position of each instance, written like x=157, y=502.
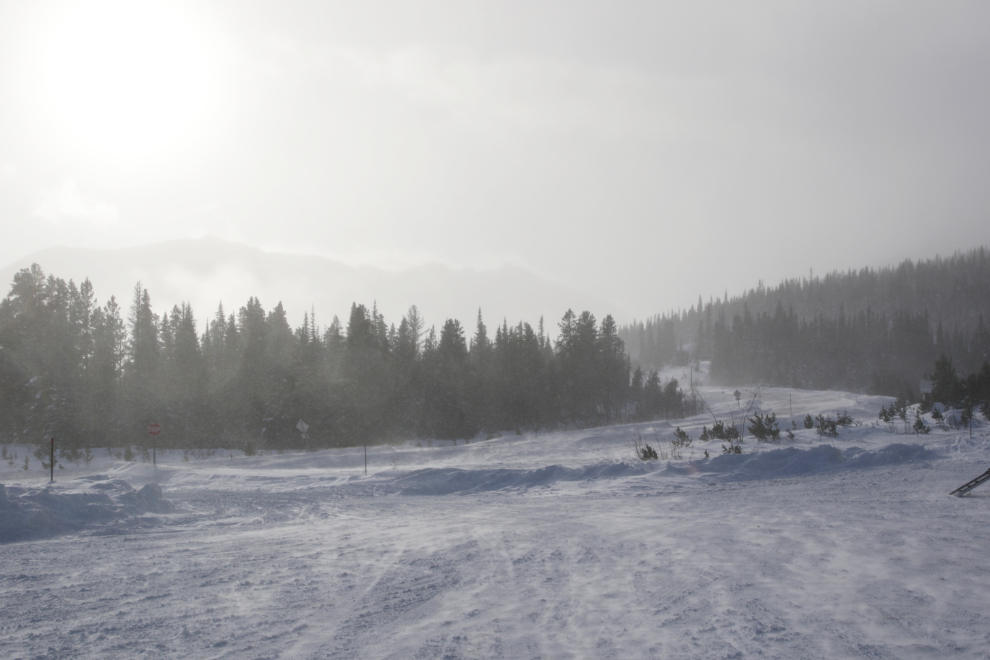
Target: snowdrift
x=772, y=464
x=447, y=481
x=30, y=512
x=793, y=462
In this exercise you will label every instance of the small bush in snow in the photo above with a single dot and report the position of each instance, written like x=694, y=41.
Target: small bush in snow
x=644, y=451
x=70, y=454
x=249, y=449
x=899, y=408
x=843, y=419
x=764, y=427
x=681, y=438
x=939, y=418
x=825, y=425
x=966, y=412
x=790, y=434
x=809, y=423
x=128, y=454
x=42, y=454
x=919, y=425
x=731, y=448
x=886, y=415
x=719, y=432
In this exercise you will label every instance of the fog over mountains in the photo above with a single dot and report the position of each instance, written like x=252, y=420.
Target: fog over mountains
x=206, y=271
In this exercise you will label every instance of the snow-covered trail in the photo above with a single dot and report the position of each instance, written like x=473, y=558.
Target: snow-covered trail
x=524, y=547
x=806, y=568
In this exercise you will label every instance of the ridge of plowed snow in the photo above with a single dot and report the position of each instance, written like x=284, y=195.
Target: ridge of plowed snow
x=773, y=464
x=60, y=507
x=793, y=462
x=446, y=481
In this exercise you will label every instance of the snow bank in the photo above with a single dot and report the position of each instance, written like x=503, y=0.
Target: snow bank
x=793, y=462
x=773, y=464
x=446, y=481
x=56, y=508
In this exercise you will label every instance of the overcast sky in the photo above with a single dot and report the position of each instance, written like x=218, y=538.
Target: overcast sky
x=644, y=152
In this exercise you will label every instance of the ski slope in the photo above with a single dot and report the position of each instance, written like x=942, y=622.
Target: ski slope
x=561, y=545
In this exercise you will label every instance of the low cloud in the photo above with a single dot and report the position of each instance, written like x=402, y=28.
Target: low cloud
x=65, y=205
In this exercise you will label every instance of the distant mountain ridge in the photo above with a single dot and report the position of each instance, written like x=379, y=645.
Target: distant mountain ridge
x=207, y=271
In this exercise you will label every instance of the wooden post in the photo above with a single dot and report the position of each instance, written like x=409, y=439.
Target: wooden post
x=52, y=464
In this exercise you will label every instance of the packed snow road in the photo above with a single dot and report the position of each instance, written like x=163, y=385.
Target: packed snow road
x=561, y=546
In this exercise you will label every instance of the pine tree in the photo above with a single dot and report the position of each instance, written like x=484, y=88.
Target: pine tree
x=614, y=370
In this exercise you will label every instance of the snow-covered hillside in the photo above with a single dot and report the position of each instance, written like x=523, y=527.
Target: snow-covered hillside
x=561, y=545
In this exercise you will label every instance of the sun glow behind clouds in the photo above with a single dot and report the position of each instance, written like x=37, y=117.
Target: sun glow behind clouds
x=127, y=76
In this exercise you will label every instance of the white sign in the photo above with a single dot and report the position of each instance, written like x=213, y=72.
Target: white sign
x=302, y=426
x=926, y=387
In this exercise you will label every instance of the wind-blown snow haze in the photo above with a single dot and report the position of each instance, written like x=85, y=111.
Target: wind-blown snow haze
x=494, y=330
x=642, y=153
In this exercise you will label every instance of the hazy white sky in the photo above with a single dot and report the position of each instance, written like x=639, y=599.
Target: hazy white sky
x=645, y=152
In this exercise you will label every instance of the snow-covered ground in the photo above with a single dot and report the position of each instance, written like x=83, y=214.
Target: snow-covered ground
x=561, y=545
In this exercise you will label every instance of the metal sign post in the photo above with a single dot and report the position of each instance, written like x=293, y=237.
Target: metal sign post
x=153, y=430
x=303, y=427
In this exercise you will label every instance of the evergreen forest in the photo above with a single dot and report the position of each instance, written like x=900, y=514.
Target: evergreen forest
x=873, y=330
x=96, y=375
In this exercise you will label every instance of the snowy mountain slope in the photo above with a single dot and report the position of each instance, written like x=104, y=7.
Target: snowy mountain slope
x=560, y=545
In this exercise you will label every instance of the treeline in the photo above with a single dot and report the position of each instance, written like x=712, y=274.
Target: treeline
x=966, y=394
x=869, y=350
x=82, y=372
x=875, y=330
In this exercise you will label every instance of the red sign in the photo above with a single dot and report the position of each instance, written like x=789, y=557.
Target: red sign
x=154, y=429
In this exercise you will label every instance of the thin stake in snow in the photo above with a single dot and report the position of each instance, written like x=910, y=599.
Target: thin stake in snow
x=153, y=430
x=970, y=485
x=52, y=464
